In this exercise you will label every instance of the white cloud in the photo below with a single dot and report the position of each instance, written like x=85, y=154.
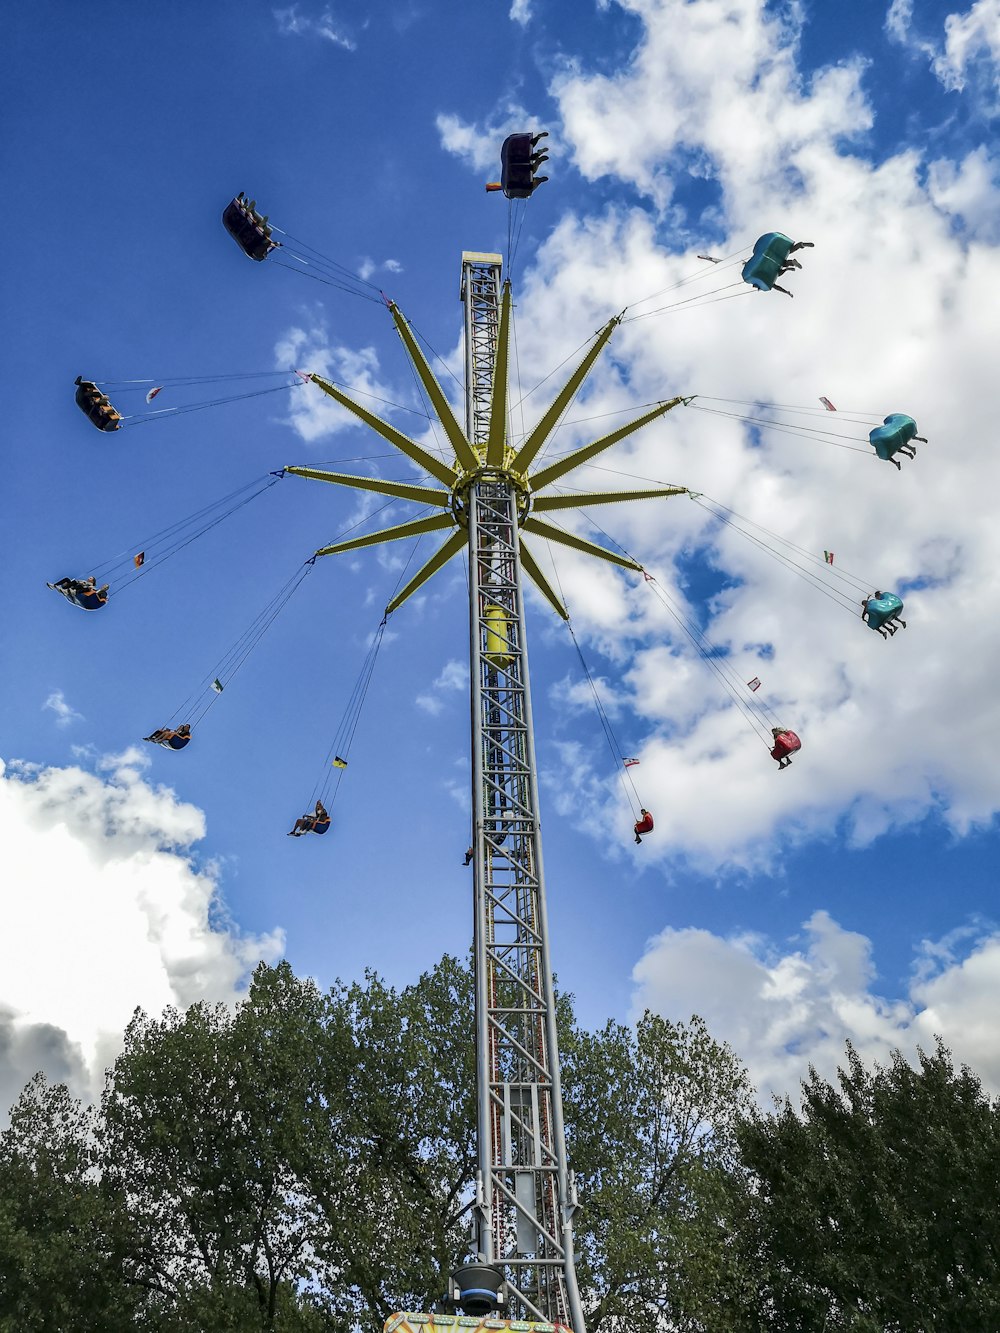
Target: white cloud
x=369, y=267
x=969, y=38
x=891, y=313
x=965, y=57
x=900, y=28
x=784, y=1008
x=711, y=89
x=292, y=23
x=104, y=909
x=65, y=714
x=898, y=19
x=520, y=12
x=454, y=676
x=479, y=145
x=314, y=415
x=969, y=191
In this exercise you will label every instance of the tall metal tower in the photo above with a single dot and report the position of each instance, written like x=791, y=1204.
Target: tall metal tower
x=525, y=1198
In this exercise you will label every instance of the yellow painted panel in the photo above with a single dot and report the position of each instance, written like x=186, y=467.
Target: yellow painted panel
x=497, y=637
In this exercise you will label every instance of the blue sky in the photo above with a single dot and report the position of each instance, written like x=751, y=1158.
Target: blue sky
x=852, y=896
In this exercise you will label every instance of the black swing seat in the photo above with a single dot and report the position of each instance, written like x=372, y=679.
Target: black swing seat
x=249, y=234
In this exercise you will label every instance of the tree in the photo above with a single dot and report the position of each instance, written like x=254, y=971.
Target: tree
x=63, y=1230
x=307, y=1161
x=874, y=1206
x=410, y=1099
x=303, y=1142
x=651, y=1115
x=201, y=1130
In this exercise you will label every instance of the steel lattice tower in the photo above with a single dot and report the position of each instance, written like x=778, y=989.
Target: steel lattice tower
x=524, y=1192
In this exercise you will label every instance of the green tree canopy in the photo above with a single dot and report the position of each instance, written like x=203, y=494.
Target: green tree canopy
x=651, y=1118
x=297, y=1163
x=64, y=1236
x=873, y=1206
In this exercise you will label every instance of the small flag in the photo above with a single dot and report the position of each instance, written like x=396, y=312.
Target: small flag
x=754, y=684
x=828, y=405
x=709, y=258
x=139, y=560
x=304, y=376
x=828, y=557
x=630, y=763
x=217, y=685
x=648, y=577
x=338, y=762
x=153, y=392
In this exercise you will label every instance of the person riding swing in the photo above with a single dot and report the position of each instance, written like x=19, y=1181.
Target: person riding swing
x=317, y=822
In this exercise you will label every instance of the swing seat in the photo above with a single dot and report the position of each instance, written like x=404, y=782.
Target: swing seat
x=769, y=253
x=97, y=406
x=86, y=601
x=321, y=826
x=249, y=235
x=884, y=608
x=896, y=430
x=176, y=742
x=785, y=743
x=517, y=174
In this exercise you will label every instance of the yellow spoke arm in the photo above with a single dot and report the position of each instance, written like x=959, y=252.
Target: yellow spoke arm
x=402, y=442
x=541, y=583
x=416, y=528
x=401, y=490
x=552, y=534
x=547, y=502
x=464, y=452
x=552, y=473
x=452, y=546
x=528, y=451
x=498, y=403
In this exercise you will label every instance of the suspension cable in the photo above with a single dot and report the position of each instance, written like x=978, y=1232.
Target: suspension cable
x=754, y=709
x=210, y=688
x=617, y=754
x=159, y=414
x=177, y=536
x=339, y=752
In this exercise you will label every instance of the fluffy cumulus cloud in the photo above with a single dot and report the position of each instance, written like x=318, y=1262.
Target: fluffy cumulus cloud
x=104, y=909
x=786, y=1006
x=969, y=192
x=964, y=52
x=453, y=680
x=476, y=143
x=713, y=89
x=314, y=415
x=971, y=39
x=892, y=312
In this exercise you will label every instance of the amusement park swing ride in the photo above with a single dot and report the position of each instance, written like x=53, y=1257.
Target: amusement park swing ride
x=491, y=499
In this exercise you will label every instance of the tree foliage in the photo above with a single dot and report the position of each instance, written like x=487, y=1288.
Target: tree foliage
x=305, y=1163
x=651, y=1116
x=874, y=1206
x=296, y=1164
x=64, y=1234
